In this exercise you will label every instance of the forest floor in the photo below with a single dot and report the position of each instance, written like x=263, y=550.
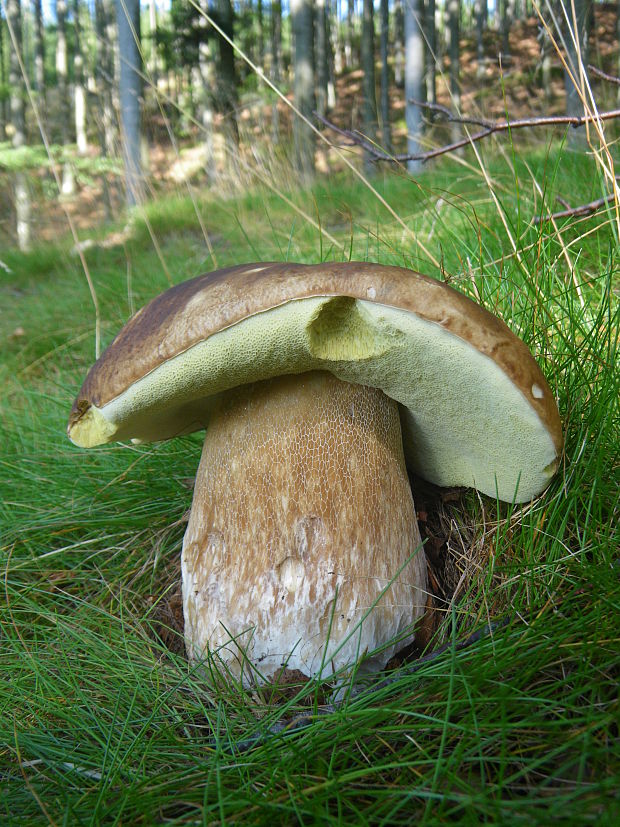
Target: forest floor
x=505, y=89
x=103, y=720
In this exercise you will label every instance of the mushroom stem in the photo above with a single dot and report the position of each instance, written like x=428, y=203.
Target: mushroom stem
x=302, y=547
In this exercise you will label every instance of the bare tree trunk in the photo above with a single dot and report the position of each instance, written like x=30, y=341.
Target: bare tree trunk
x=399, y=44
x=386, y=132
x=453, y=9
x=546, y=50
x=369, y=94
x=62, y=66
x=480, y=11
x=226, y=75
x=153, y=67
x=80, y=90
x=62, y=69
x=64, y=106
x=18, y=121
x=276, y=63
x=577, y=58
x=4, y=114
x=507, y=11
x=301, y=20
x=431, y=52
x=335, y=35
x=276, y=41
x=104, y=74
x=205, y=86
x=414, y=77
x=322, y=69
x=576, y=52
x=331, y=61
x=261, y=33
x=348, y=36
x=130, y=93
x=39, y=53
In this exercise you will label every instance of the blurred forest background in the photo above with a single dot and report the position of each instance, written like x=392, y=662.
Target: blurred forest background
x=105, y=103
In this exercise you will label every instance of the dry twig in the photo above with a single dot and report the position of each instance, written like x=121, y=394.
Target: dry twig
x=488, y=128
x=603, y=75
x=574, y=212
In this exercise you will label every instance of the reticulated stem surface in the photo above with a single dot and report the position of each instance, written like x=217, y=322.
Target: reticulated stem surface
x=302, y=521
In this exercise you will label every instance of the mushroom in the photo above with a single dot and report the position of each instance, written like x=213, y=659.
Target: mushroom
x=302, y=548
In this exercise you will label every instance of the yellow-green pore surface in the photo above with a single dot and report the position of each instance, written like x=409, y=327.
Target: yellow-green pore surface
x=465, y=421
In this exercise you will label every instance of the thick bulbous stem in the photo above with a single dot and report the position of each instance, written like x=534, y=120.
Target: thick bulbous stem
x=302, y=548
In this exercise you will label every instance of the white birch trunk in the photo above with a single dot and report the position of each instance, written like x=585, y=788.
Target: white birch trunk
x=414, y=78
x=18, y=121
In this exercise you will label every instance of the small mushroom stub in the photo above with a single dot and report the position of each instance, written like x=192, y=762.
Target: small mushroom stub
x=302, y=547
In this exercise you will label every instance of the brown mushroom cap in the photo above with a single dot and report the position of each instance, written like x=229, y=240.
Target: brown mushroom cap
x=476, y=409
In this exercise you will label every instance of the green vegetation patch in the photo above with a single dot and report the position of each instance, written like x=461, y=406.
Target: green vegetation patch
x=101, y=718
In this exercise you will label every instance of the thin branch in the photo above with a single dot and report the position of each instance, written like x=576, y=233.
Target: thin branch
x=603, y=75
x=450, y=116
x=354, y=138
x=489, y=128
x=573, y=212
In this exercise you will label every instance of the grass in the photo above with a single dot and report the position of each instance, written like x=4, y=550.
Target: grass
x=101, y=719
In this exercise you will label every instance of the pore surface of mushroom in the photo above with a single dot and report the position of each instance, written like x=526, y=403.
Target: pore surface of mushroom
x=302, y=519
